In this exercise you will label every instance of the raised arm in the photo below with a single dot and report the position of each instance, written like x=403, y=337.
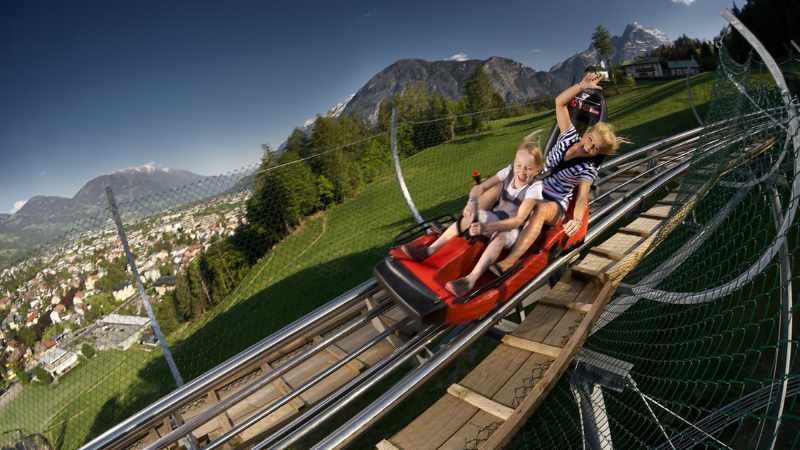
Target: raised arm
x=581, y=203
x=589, y=81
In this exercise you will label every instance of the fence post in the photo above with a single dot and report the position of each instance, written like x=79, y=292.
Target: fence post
x=398, y=171
x=777, y=409
x=162, y=341
x=691, y=101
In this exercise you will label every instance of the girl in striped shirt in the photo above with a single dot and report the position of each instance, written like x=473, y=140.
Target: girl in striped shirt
x=570, y=165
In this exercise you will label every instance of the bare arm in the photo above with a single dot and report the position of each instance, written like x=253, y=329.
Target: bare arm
x=471, y=208
x=487, y=184
x=589, y=81
x=512, y=222
x=581, y=203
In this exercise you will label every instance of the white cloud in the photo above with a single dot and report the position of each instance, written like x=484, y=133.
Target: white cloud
x=458, y=57
x=685, y=2
x=536, y=50
x=42, y=173
x=18, y=205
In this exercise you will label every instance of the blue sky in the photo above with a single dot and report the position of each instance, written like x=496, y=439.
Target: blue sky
x=90, y=87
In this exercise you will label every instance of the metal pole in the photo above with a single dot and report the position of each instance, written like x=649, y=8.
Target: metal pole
x=691, y=100
x=784, y=355
x=398, y=171
x=162, y=341
x=594, y=421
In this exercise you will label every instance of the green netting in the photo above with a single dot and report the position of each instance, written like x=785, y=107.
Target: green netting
x=705, y=318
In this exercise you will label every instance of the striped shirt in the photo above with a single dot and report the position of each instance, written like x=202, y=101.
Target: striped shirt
x=560, y=184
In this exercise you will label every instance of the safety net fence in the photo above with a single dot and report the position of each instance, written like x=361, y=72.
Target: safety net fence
x=223, y=261
x=701, y=331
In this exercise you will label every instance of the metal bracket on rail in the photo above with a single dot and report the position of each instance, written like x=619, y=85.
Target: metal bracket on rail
x=591, y=373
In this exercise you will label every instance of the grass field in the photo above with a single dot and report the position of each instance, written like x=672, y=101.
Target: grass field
x=330, y=253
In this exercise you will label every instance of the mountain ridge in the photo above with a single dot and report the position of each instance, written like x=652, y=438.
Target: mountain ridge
x=510, y=79
x=636, y=40
x=127, y=185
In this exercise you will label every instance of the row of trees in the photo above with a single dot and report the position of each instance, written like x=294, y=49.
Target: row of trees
x=702, y=51
x=774, y=22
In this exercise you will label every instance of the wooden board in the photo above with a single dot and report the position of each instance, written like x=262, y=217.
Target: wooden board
x=495, y=370
x=641, y=227
x=539, y=322
x=576, y=306
x=669, y=199
x=436, y=425
x=658, y=212
x=480, y=401
x=479, y=427
x=523, y=380
x=532, y=346
x=593, y=266
x=617, y=246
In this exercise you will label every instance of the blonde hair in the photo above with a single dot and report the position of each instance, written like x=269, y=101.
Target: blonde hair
x=530, y=144
x=608, y=136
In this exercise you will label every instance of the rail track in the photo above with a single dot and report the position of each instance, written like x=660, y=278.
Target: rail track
x=288, y=384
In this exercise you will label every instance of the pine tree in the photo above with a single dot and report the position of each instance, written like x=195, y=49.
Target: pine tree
x=297, y=142
x=478, y=96
x=268, y=208
x=601, y=41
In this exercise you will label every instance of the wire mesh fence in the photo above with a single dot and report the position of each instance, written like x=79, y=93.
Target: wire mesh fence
x=224, y=260
x=706, y=318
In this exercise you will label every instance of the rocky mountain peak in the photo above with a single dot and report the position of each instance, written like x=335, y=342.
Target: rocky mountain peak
x=512, y=80
x=636, y=40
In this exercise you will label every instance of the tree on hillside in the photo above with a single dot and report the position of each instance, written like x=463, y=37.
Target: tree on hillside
x=334, y=141
x=601, y=41
x=88, y=351
x=479, y=96
x=297, y=142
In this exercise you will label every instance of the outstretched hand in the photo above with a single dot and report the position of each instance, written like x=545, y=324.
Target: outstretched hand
x=590, y=81
x=571, y=227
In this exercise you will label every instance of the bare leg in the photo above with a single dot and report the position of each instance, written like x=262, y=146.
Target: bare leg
x=485, y=202
x=490, y=255
x=448, y=234
x=544, y=213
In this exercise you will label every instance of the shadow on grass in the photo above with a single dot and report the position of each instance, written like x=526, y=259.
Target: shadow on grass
x=663, y=126
x=531, y=120
x=452, y=207
x=650, y=99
